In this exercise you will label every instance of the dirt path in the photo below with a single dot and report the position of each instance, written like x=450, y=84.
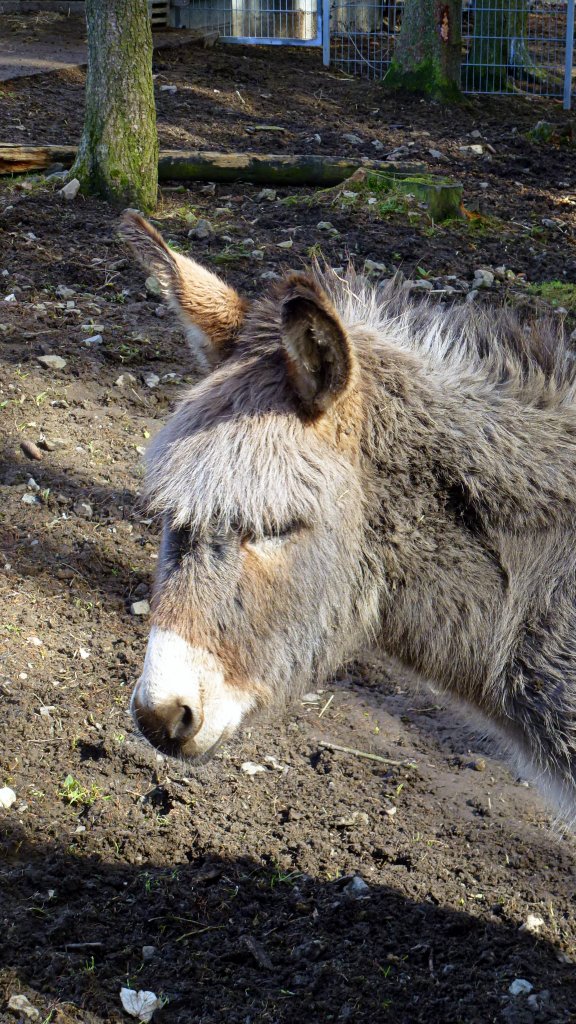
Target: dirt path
x=47, y=41
x=228, y=895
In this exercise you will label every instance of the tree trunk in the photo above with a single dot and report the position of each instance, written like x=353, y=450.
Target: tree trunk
x=428, y=49
x=118, y=152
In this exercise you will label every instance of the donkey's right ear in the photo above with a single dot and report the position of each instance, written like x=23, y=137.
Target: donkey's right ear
x=210, y=310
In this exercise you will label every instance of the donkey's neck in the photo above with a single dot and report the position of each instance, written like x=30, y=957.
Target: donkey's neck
x=457, y=478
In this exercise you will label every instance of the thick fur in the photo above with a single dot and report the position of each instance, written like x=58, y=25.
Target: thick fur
x=430, y=509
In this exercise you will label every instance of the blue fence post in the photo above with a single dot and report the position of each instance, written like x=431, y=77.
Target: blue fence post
x=569, y=55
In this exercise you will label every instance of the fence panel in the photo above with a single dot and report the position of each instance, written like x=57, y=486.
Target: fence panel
x=273, y=22
x=507, y=45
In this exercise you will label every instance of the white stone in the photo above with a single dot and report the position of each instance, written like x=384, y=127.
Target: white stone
x=151, y=380
x=71, y=189
x=7, y=797
x=520, y=987
x=140, y=608
x=21, y=1004
x=52, y=362
x=533, y=923
x=357, y=888
x=249, y=768
x=96, y=339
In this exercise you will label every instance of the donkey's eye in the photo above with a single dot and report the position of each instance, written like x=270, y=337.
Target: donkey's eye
x=273, y=538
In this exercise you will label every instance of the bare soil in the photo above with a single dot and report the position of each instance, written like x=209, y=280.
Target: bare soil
x=240, y=882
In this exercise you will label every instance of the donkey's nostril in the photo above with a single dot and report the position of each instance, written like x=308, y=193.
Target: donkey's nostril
x=182, y=724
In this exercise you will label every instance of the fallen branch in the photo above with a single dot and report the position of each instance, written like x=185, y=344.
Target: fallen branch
x=259, y=168
x=369, y=757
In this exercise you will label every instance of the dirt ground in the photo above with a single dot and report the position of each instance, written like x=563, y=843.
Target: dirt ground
x=237, y=885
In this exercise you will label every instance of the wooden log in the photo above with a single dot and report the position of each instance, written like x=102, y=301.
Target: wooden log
x=182, y=165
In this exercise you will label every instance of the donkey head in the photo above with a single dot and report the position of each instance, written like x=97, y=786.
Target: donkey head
x=256, y=476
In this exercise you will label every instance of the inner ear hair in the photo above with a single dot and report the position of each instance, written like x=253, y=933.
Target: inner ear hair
x=316, y=346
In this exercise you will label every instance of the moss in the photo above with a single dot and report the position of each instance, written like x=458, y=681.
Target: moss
x=425, y=79
x=557, y=293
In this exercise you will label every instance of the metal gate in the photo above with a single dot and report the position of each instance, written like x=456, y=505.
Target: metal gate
x=523, y=46
x=269, y=22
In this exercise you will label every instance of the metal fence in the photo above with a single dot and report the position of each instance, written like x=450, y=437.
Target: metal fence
x=297, y=22
x=507, y=45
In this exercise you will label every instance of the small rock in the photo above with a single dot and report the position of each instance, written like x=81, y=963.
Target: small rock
x=30, y=499
x=71, y=189
x=484, y=185
x=325, y=225
x=52, y=444
x=271, y=275
x=83, y=509
x=52, y=362
x=419, y=286
x=372, y=267
x=170, y=378
x=268, y=194
x=140, y=608
x=437, y=155
x=148, y=952
x=287, y=244
x=202, y=231
x=390, y=811
x=258, y=254
x=354, y=140
x=7, y=797
x=151, y=380
x=172, y=89
x=273, y=762
x=95, y=339
x=533, y=923
x=474, y=150
x=20, y=1004
x=249, y=768
x=472, y=295
x=356, y=888
x=31, y=451
x=379, y=146
x=483, y=278
x=10, y=298
x=153, y=286
x=399, y=153
x=520, y=987
x=552, y=224
x=63, y=292
x=475, y=134
x=478, y=765
x=125, y=378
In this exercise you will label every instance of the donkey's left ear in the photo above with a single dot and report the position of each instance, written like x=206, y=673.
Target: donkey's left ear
x=319, y=356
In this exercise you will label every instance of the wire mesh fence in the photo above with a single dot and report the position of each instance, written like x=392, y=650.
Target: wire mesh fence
x=271, y=21
x=507, y=45
x=514, y=44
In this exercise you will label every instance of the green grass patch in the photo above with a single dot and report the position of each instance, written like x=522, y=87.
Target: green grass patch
x=557, y=293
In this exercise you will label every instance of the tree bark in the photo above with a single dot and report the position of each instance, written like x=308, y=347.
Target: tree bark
x=428, y=50
x=118, y=152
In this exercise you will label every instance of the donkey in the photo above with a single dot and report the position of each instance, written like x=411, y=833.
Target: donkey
x=352, y=468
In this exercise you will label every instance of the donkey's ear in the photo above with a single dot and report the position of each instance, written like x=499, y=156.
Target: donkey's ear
x=318, y=353
x=210, y=310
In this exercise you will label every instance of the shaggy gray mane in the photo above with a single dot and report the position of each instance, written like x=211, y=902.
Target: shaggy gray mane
x=531, y=359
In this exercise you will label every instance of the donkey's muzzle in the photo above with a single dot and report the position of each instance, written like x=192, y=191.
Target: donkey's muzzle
x=170, y=727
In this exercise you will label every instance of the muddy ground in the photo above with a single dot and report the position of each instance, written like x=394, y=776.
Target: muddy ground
x=238, y=882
